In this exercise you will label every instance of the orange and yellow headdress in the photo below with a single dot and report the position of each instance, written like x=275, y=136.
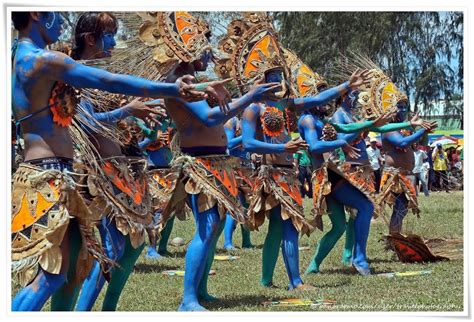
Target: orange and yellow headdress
x=175, y=37
x=380, y=94
x=252, y=48
x=305, y=81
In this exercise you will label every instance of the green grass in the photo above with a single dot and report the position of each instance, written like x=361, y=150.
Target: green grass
x=236, y=283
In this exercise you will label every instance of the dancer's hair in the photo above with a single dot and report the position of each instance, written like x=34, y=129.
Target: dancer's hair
x=95, y=24
x=21, y=19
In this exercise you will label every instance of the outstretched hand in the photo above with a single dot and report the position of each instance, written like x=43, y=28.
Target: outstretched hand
x=351, y=151
x=385, y=118
x=429, y=126
x=187, y=90
x=147, y=111
x=217, y=90
x=295, y=145
x=359, y=77
x=261, y=91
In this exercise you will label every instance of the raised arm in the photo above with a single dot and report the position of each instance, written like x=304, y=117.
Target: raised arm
x=401, y=141
x=305, y=103
x=309, y=133
x=358, y=78
x=213, y=116
x=391, y=127
x=249, y=133
x=352, y=127
x=60, y=67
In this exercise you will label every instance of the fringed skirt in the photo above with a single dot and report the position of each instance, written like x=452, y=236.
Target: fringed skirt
x=212, y=178
x=273, y=186
x=43, y=202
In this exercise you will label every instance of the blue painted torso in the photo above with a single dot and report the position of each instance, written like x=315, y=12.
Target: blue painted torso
x=343, y=117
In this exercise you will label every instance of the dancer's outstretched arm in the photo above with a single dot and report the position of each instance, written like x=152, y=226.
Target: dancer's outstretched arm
x=401, y=141
x=305, y=103
x=212, y=116
x=358, y=78
x=308, y=129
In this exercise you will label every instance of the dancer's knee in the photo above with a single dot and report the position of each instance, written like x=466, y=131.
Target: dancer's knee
x=338, y=230
x=52, y=281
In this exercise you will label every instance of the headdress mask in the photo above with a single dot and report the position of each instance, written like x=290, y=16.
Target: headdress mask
x=304, y=80
x=252, y=50
x=175, y=37
x=379, y=95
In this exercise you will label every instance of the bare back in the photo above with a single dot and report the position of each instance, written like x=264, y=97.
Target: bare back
x=192, y=132
x=31, y=91
x=398, y=158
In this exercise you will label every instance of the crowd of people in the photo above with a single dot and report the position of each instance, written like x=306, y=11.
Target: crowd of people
x=93, y=161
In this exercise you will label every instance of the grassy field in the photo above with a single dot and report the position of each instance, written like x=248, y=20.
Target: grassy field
x=236, y=283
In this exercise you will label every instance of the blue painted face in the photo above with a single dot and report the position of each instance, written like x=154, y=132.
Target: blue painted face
x=402, y=111
x=52, y=26
x=274, y=76
x=351, y=98
x=201, y=64
x=108, y=43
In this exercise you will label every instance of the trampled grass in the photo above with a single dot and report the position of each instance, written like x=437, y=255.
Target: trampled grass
x=236, y=283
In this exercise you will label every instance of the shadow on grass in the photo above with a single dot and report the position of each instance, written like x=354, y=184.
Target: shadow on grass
x=383, y=260
x=154, y=268
x=245, y=300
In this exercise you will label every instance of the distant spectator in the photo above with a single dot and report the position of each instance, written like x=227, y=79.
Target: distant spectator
x=431, y=176
x=420, y=170
x=440, y=166
x=302, y=162
x=375, y=159
x=455, y=159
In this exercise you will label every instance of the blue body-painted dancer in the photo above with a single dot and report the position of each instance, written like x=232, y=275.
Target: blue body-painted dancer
x=36, y=71
x=233, y=132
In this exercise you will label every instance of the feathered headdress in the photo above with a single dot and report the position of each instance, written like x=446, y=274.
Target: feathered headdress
x=305, y=81
x=379, y=95
x=252, y=49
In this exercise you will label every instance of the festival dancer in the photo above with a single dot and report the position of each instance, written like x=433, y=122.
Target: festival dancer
x=333, y=189
x=45, y=241
x=265, y=130
x=397, y=187
x=374, y=98
x=206, y=178
x=161, y=182
x=120, y=184
x=233, y=131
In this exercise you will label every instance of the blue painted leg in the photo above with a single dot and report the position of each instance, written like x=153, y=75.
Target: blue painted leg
x=400, y=210
x=114, y=243
x=33, y=296
x=229, y=228
x=352, y=197
x=290, y=251
x=203, y=293
x=207, y=224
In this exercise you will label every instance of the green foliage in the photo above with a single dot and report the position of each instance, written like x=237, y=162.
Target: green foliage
x=421, y=51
